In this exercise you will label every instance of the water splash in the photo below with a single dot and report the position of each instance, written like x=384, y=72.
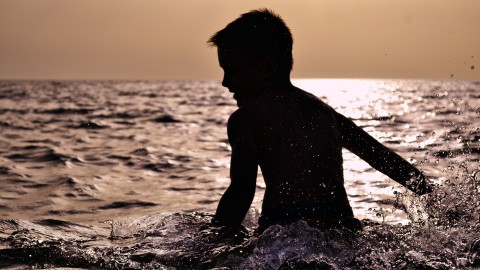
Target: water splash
x=440, y=236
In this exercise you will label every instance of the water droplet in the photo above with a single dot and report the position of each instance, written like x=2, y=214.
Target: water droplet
x=477, y=111
x=462, y=261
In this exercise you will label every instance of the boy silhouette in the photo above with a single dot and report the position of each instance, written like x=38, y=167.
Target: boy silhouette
x=293, y=136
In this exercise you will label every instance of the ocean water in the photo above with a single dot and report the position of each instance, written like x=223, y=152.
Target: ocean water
x=127, y=175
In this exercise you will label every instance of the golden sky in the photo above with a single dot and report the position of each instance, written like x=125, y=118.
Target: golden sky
x=160, y=39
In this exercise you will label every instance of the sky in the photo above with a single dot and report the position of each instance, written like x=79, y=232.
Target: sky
x=160, y=39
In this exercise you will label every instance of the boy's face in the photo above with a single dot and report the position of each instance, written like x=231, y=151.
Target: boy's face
x=243, y=76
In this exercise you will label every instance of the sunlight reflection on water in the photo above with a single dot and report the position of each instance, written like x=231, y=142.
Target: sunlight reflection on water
x=347, y=95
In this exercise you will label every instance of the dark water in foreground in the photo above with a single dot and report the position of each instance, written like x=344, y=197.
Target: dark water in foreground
x=123, y=175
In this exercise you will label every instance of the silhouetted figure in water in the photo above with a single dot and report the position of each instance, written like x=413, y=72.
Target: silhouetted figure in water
x=295, y=138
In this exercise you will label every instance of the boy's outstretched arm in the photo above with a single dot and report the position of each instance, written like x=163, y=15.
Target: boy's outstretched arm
x=380, y=157
x=236, y=200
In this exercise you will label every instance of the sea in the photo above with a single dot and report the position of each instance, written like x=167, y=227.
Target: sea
x=128, y=174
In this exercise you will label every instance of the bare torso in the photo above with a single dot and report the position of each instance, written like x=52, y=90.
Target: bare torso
x=299, y=152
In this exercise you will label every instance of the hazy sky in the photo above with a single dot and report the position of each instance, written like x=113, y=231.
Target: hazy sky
x=158, y=39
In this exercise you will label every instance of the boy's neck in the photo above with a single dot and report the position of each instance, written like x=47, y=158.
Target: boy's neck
x=279, y=85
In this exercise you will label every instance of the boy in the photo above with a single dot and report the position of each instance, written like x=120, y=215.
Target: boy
x=293, y=136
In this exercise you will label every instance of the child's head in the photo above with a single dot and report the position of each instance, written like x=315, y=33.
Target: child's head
x=261, y=33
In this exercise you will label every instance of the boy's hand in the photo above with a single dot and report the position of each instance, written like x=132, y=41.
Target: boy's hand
x=420, y=184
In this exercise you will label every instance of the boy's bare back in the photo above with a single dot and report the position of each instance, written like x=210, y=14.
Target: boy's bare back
x=297, y=145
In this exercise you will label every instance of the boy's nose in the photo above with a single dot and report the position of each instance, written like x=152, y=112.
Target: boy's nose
x=225, y=83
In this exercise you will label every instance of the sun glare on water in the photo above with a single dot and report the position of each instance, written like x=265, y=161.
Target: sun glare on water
x=346, y=95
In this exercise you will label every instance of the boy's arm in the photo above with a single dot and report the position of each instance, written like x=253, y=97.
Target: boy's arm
x=236, y=200
x=380, y=157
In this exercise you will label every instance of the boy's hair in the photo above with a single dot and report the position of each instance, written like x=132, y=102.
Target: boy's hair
x=262, y=33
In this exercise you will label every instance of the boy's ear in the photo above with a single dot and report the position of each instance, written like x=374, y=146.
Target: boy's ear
x=269, y=65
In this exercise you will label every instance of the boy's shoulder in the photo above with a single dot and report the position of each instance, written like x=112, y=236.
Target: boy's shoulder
x=269, y=107
x=265, y=103
x=247, y=111
x=240, y=119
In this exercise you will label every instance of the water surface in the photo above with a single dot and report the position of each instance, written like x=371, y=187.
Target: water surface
x=135, y=169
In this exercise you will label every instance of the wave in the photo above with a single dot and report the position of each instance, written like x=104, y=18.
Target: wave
x=64, y=111
x=12, y=126
x=166, y=119
x=89, y=125
x=36, y=153
x=128, y=204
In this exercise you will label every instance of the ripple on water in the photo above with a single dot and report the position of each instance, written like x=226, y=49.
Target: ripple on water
x=36, y=154
x=166, y=119
x=89, y=125
x=64, y=111
x=127, y=204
